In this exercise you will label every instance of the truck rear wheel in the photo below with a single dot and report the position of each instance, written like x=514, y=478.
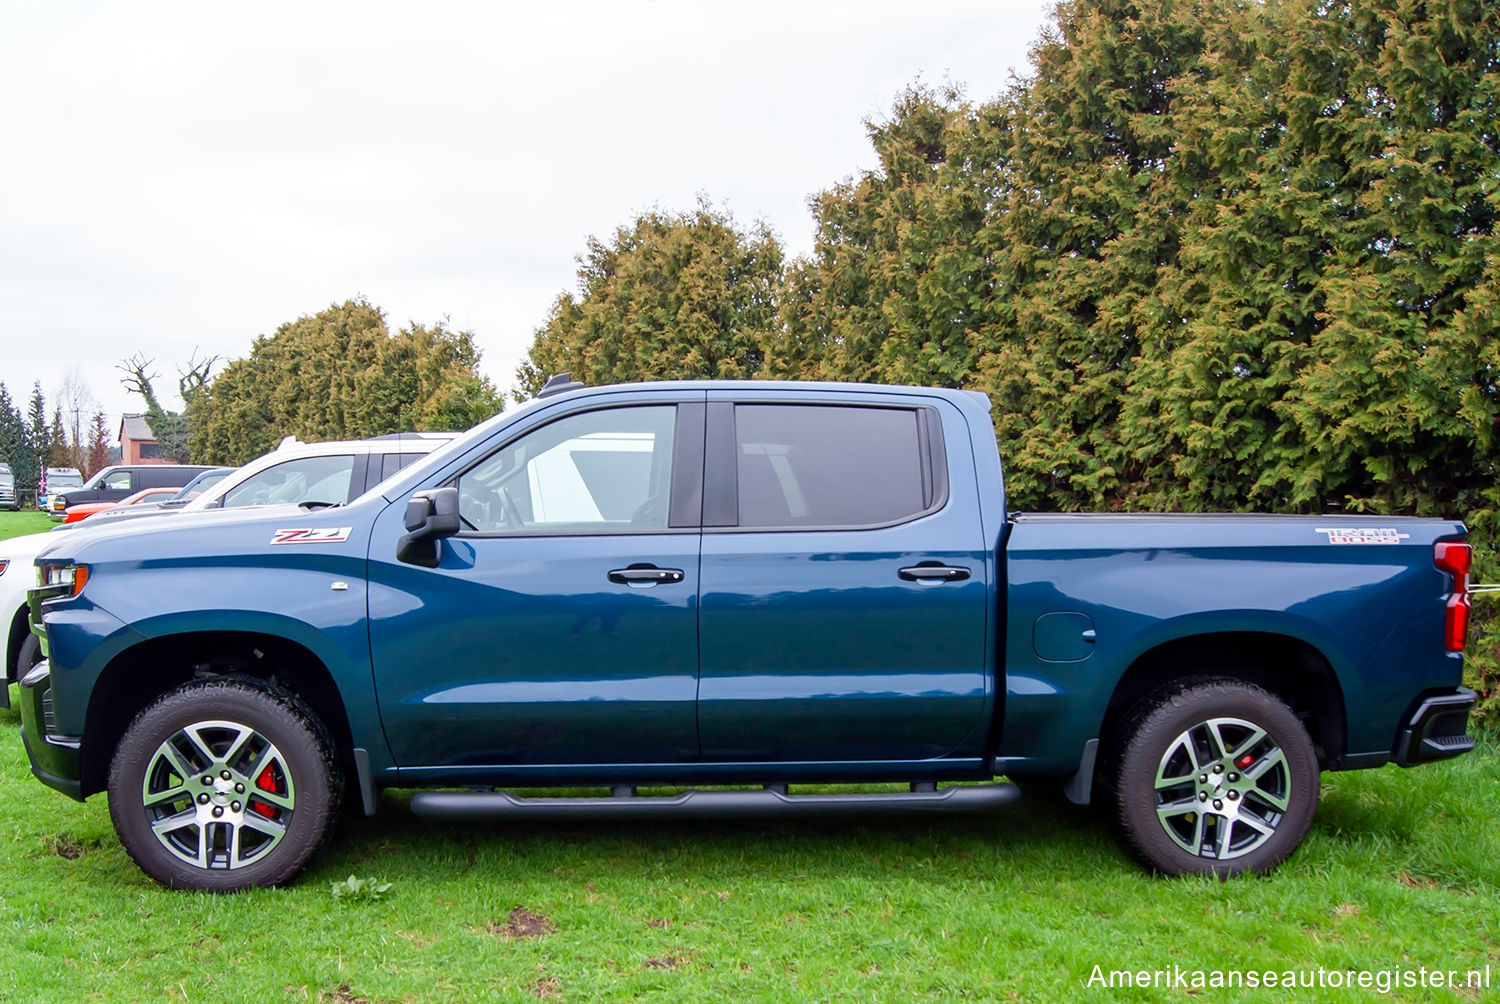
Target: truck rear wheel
x=1216, y=777
x=221, y=785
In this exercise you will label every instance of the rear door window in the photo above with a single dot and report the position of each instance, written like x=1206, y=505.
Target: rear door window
x=830, y=466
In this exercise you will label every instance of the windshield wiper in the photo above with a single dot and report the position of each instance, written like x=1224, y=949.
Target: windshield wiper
x=319, y=505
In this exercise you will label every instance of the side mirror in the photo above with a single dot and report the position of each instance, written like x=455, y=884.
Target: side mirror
x=430, y=516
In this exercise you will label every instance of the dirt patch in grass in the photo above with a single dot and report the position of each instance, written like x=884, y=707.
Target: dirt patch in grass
x=65, y=845
x=547, y=988
x=671, y=962
x=343, y=995
x=523, y=924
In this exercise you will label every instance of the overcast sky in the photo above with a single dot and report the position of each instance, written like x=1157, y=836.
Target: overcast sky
x=182, y=177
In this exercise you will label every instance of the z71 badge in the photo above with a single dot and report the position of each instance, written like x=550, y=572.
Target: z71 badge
x=1363, y=535
x=310, y=535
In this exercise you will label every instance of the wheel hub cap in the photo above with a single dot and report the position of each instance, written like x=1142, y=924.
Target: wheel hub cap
x=1222, y=788
x=218, y=795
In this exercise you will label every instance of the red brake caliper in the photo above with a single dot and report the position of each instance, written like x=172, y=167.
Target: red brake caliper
x=1244, y=761
x=266, y=782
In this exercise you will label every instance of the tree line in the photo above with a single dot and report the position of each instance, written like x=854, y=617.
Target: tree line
x=1205, y=256
x=338, y=374
x=29, y=442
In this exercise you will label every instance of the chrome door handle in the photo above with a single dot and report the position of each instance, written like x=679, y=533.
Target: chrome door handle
x=941, y=573
x=647, y=574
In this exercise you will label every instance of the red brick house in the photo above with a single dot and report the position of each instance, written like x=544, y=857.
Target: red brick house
x=137, y=442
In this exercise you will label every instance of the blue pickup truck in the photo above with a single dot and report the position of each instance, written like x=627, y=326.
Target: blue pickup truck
x=742, y=586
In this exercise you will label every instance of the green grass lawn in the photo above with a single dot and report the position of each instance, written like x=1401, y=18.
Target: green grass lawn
x=14, y=524
x=1401, y=869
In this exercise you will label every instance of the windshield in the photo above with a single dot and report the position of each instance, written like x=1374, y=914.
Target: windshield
x=201, y=484
x=300, y=479
x=56, y=481
x=98, y=478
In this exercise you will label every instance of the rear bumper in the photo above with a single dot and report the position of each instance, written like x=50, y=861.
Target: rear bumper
x=54, y=758
x=1436, y=729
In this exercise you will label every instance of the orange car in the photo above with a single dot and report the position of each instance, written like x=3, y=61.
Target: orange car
x=74, y=513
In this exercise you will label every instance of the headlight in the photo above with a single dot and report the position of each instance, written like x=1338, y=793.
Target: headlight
x=71, y=576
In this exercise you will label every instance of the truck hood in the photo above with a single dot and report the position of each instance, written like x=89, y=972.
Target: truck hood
x=216, y=531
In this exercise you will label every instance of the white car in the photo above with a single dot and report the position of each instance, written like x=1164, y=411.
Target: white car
x=309, y=473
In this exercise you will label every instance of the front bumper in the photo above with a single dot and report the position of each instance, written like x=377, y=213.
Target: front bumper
x=54, y=758
x=1436, y=729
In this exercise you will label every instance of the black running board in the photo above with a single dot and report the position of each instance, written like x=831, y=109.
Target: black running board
x=769, y=801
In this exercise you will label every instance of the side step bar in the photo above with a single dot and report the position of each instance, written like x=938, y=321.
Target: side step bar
x=770, y=801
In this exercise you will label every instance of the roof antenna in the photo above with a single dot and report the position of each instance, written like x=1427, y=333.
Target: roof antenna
x=560, y=384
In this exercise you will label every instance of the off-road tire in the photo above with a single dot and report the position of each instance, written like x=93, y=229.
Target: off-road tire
x=1212, y=777
x=245, y=772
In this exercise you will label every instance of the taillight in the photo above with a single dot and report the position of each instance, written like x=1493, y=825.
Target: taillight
x=1455, y=559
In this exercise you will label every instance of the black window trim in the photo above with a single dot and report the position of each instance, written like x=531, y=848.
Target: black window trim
x=358, y=475
x=721, y=468
x=687, y=464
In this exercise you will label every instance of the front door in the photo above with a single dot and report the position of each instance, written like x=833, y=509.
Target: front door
x=560, y=625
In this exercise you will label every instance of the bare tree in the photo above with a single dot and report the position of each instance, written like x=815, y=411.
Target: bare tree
x=78, y=405
x=172, y=429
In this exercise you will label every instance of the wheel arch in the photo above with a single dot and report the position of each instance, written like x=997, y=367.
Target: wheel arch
x=1288, y=667
x=15, y=636
x=140, y=674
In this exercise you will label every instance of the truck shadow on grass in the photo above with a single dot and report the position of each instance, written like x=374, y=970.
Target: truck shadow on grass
x=1039, y=831
x=1371, y=822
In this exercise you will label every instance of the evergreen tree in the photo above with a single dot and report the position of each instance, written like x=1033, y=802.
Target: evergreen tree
x=670, y=297
x=36, y=414
x=896, y=283
x=340, y=374
x=10, y=424
x=1237, y=255
x=16, y=447
x=63, y=453
x=97, y=457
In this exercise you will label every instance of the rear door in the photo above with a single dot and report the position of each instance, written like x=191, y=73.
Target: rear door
x=844, y=581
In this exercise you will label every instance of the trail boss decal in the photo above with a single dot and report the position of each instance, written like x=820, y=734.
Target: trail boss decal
x=308, y=535
x=1362, y=535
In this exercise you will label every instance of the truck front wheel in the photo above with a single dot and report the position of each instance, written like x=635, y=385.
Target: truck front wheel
x=28, y=655
x=1214, y=777
x=222, y=785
